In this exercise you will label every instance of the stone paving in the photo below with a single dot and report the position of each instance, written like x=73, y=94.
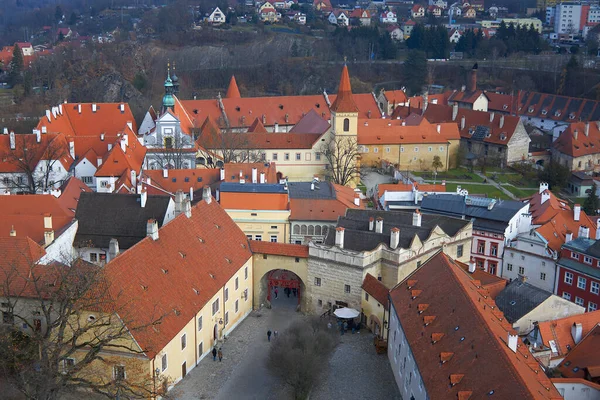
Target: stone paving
x=356, y=371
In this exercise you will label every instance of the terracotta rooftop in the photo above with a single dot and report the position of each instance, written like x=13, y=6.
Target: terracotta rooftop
x=316, y=208
x=475, y=335
x=20, y=256
x=257, y=127
x=542, y=212
x=559, y=330
x=279, y=249
x=70, y=193
x=584, y=360
x=344, y=101
x=118, y=161
x=188, y=261
x=232, y=89
x=392, y=131
x=28, y=152
x=155, y=181
x=576, y=143
x=395, y=96
x=376, y=289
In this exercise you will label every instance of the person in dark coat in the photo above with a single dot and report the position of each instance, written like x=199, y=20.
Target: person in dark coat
x=269, y=335
x=276, y=293
x=220, y=354
x=214, y=353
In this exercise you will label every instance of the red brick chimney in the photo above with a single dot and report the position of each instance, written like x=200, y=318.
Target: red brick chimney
x=472, y=82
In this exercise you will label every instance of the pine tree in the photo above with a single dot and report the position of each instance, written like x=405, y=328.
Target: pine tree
x=415, y=71
x=592, y=203
x=15, y=74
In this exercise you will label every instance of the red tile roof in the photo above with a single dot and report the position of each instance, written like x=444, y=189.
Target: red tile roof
x=583, y=144
x=584, y=358
x=279, y=249
x=254, y=201
x=20, y=257
x=281, y=140
x=232, y=90
x=118, y=161
x=344, y=101
x=25, y=214
x=543, y=212
x=376, y=289
x=28, y=153
x=155, y=182
x=188, y=261
x=391, y=131
x=257, y=127
x=462, y=310
x=324, y=209
x=395, y=96
x=234, y=170
x=559, y=330
x=70, y=192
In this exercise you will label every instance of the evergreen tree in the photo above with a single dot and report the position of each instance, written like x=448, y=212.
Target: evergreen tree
x=417, y=38
x=27, y=83
x=415, y=71
x=592, y=203
x=73, y=19
x=15, y=74
x=58, y=13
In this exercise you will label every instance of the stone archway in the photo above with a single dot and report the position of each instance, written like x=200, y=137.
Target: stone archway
x=283, y=288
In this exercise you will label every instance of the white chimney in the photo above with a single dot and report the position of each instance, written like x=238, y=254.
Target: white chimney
x=512, y=342
x=379, y=225
x=102, y=136
x=262, y=177
x=439, y=128
x=133, y=179
x=72, y=149
x=165, y=173
x=454, y=111
x=207, y=194
x=152, y=229
x=576, y=332
x=585, y=232
x=222, y=174
x=491, y=116
x=597, y=232
x=371, y=223
x=357, y=201
x=191, y=193
x=575, y=134
x=568, y=236
x=472, y=266
x=122, y=107
x=276, y=127
x=417, y=218
x=48, y=237
x=241, y=174
x=94, y=107
x=254, y=175
x=339, y=237
x=13, y=232
x=312, y=186
x=394, y=238
x=545, y=196
x=462, y=122
x=123, y=144
x=109, y=146
x=49, y=115
x=38, y=135
x=143, y=197
x=576, y=212
x=501, y=121
x=113, y=249
x=44, y=129
x=79, y=108
x=47, y=221
x=99, y=161
x=139, y=187
x=12, y=141
x=543, y=186
x=60, y=110
x=587, y=129
x=125, y=138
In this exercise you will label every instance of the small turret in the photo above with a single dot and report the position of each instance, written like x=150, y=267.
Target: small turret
x=168, y=100
x=175, y=81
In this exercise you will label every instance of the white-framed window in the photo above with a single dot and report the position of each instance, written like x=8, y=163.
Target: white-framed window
x=273, y=238
x=442, y=148
x=246, y=294
x=164, y=363
x=226, y=296
x=575, y=256
x=200, y=323
x=347, y=288
x=568, y=278
x=258, y=237
x=226, y=317
x=249, y=237
x=587, y=260
x=286, y=156
x=274, y=156
x=68, y=363
x=387, y=149
x=237, y=306
x=183, y=341
x=581, y=282
x=298, y=157
x=430, y=149
x=119, y=372
x=542, y=276
x=578, y=301
x=401, y=149
x=88, y=180
x=318, y=156
x=317, y=281
x=521, y=270
x=376, y=150
x=416, y=149
x=509, y=267
x=566, y=296
x=594, y=287
x=237, y=283
x=215, y=307
x=592, y=306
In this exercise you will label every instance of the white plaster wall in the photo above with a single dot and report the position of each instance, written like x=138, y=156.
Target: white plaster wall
x=61, y=249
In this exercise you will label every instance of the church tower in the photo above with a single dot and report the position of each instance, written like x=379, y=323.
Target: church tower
x=175, y=81
x=344, y=112
x=168, y=99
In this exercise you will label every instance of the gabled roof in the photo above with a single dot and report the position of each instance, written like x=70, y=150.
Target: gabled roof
x=103, y=216
x=311, y=123
x=555, y=230
x=559, y=330
x=188, y=261
x=519, y=298
x=395, y=96
x=232, y=89
x=574, y=141
x=470, y=334
x=28, y=151
x=253, y=196
x=234, y=170
x=280, y=141
x=25, y=214
x=118, y=161
x=279, y=249
x=344, y=102
x=376, y=289
x=584, y=359
x=155, y=182
x=20, y=256
x=70, y=192
x=392, y=131
x=257, y=127
x=326, y=203
x=543, y=212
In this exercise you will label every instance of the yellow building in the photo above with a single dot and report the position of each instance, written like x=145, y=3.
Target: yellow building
x=374, y=305
x=410, y=144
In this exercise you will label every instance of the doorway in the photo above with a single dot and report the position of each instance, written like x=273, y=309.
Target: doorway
x=183, y=370
x=284, y=288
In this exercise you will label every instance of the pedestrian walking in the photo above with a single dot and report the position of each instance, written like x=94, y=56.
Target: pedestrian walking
x=214, y=353
x=276, y=292
x=269, y=335
x=295, y=291
x=220, y=354
x=275, y=334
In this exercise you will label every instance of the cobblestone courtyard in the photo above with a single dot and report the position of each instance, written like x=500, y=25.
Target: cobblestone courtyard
x=356, y=371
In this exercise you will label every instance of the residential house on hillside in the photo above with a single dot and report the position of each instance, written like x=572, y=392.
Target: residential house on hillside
x=435, y=11
x=362, y=16
x=495, y=223
x=110, y=223
x=315, y=208
x=443, y=4
x=454, y=35
x=216, y=17
x=268, y=13
x=407, y=28
x=551, y=341
x=578, y=271
x=417, y=11
x=339, y=18
x=322, y=5
x=387, y=245
x=395, y=33
x=525, y=305
x=469, y=13
x=388, y=17
x=448, y=307
x=33, y=163
x=578, y=147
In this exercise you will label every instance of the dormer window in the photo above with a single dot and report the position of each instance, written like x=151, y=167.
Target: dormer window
x=557, y=113
x=544, y=112
x=572, y=116
x=530, y=110
x=505, y=107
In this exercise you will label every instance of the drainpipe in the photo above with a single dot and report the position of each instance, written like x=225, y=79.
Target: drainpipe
x=196, y=338
x=153, y=379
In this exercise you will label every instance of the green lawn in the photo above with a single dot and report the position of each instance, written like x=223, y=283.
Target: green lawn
x=518, y=192
x=459, y=174
x=489, y=190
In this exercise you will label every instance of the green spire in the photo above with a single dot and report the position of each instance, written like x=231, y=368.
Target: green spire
x=168, y=100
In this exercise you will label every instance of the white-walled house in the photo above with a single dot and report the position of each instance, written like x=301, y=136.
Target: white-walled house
x=216, y=17
x=388, y=17
x=168, y=145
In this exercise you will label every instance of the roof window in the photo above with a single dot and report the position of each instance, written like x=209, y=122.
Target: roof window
x=456, y=328
x=512, y=303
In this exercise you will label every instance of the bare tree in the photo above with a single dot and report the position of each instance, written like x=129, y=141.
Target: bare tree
x=175, y=155
x=36, y=163
x=301, y=353
x=65, y=327
x=341, y=152
x=229, y=146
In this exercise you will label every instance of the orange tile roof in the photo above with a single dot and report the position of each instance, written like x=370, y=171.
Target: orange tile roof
x=462, y=310
x=257, y=127
x=232, y=89
x=395, y=96
x=234, y=170
x=279, y=249
x=28, y=153
x=324, y=209
x=555, y=230
x=254, y=201
x=70, y=192
x=117, y=161
x=20, y=257
x=583, y=145
x=188, y=261
x=107, y=119
x=584, y=358
x=178, y=179
x=543, y=212
x=391, y=131
x=376, y=289
x=417, y=101
x=26, y=215
x=344, y=101
x=281, y=140
x=559, y=330
x=494, y=284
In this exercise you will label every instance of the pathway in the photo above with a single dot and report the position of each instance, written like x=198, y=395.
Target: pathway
x=497, y=185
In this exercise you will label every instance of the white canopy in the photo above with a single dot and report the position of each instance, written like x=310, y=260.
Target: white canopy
x=346, y=313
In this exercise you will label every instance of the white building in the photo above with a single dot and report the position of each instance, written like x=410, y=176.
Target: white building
x=389, y=17
x=217, y=17
x=567, y=17
x=529, y=256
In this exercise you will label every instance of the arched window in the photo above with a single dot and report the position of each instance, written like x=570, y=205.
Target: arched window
x=325, y=230
x=318, y=230
x=303, y=230
x=311, y=230
x=346, y=125
x=296, y=229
